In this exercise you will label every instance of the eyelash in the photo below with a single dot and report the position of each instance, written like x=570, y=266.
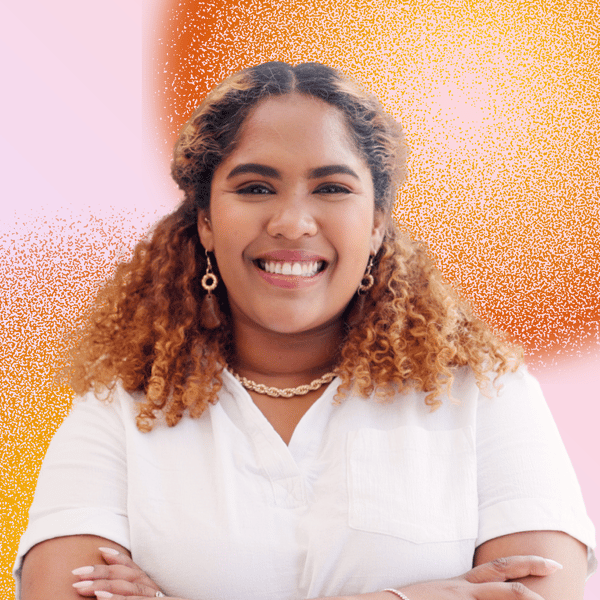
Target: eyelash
x=253, y=189
x=338, y=189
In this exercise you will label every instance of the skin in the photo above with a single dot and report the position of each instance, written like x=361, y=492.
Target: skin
x=291, y=206
x=299, y=330
x=48, y=565
x=569, y=582
x=286, y=204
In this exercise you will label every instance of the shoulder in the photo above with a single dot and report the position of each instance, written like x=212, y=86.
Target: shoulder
x=97, y=419
x=109, y=404
x=487, y=409
x=515, y=401
x=520, y=382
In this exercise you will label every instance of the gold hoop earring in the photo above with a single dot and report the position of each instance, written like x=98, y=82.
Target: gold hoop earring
x=210, y=315
x=368, y=280
x=209, y=280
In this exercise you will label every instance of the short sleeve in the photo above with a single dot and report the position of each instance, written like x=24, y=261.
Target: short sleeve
x=525, y=479
x=82, y=486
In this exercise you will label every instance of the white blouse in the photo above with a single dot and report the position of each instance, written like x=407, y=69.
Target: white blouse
x=367, y=495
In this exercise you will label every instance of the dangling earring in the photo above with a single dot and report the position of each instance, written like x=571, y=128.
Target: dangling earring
x=210, y=315
x=368, y=280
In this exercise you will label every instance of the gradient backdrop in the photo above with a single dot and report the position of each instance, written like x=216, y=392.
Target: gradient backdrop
x=500, y=101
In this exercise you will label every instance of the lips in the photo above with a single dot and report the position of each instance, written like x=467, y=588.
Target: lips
x=294, y=263
x=297, y=268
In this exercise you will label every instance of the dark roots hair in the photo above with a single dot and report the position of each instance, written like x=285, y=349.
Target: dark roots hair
x=210, y=134
x=409, y=330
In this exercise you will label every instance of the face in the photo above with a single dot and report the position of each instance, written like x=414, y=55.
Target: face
x=292, y=220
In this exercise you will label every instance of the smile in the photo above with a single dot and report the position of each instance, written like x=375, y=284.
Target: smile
x=297, y=269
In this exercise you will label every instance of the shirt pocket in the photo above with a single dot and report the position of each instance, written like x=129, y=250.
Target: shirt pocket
x=412, y=483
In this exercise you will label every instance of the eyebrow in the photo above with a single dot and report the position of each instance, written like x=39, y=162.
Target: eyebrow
x=266, y=171
x=331, y=170
x=254, y=168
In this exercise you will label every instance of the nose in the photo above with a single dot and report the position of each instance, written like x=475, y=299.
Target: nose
x=292, y=218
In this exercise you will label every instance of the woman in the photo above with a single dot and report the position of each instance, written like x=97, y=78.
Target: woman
x=297, y=406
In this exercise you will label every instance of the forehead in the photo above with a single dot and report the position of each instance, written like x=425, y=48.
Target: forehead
x=296, y=123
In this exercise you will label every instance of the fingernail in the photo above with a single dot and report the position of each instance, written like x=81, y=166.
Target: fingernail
x=82, y=571
x=101, y=594
x=553, y=563
x=109, y=551
x=82, y=584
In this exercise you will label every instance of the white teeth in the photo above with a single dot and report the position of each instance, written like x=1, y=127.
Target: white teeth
x=298, y=269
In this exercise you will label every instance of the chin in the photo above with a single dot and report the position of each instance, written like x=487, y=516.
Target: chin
x=289, y=327
x=295, y=324
x=285, y=318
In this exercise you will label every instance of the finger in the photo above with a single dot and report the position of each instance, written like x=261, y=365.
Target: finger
x=511, y=567
x=109, y=572
x=84, y=588
x=114, y=587
x=114, y=557
x=108, y=595
x=505, y=591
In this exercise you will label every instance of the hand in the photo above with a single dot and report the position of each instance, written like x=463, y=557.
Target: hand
x=120, y=577
x=109, y=596
x=489, y=581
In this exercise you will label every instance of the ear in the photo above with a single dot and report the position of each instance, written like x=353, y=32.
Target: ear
x=205, y=231
x=379, y=227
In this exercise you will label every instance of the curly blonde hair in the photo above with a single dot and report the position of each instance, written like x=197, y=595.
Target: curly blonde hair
x=409, y=330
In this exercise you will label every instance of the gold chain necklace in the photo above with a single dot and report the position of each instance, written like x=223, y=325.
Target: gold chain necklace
x=274, y=392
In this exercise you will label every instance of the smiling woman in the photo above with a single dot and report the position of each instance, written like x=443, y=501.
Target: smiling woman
x=245, y=352
x=300, y=200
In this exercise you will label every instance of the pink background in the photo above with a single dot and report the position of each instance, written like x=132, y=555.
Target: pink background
x=81, y=180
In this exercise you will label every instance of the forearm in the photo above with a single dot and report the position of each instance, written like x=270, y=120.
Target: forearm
x=47, y=566
x=569, y=582
x=516, y=576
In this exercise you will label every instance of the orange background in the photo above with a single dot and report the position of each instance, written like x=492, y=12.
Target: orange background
x=499, y=101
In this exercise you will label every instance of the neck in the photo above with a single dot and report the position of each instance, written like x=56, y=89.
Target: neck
x=285, y=360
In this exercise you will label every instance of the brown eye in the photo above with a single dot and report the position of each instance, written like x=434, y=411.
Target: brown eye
x=332, y=188
x=255, y=189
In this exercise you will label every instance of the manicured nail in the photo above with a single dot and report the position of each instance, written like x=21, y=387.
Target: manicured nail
x=83, y=571
x=101, y=594
x=553, y=563
x=109, y=551
x=82, y=584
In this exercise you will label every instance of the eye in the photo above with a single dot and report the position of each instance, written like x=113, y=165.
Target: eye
x=332, y=188
x=254, y=189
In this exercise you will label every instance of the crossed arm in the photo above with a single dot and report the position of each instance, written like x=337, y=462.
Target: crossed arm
x=48, y=565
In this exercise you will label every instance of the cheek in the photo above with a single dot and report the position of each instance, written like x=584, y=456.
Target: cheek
x=354, y=234
x=232, y=231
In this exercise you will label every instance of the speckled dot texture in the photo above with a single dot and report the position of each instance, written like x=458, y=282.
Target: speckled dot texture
x=47, y=280
x=500, y=101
